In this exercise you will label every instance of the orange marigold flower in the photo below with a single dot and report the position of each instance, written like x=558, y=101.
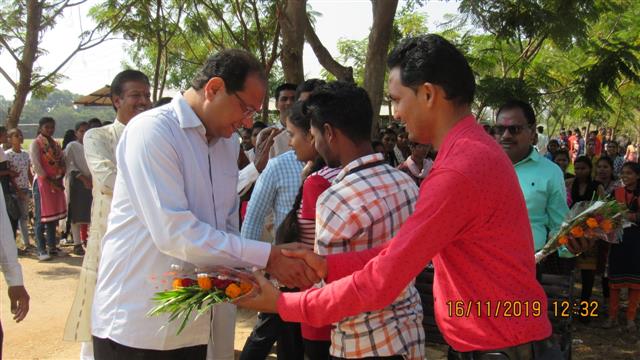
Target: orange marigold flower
x=606, y=225
x=577, y=231
x=245, y=287
x=204, y=282
x=563, y=240
x=176, y=283
x=592, y=223
x=233, y=291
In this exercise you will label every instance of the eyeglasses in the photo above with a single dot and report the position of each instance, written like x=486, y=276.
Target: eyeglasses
x=513, y=129
x=247, y=110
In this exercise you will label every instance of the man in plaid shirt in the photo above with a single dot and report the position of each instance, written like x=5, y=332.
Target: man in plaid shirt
x=365, y=207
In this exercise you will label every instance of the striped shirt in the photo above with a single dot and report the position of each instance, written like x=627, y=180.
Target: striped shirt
x=314, y=185
x=365, y=207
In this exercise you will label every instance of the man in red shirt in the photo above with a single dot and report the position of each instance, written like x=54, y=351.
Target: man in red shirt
x=470, y=220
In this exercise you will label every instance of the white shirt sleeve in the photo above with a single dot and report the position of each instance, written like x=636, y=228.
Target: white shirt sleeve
x=150, y=168
x=8, y=252
x=99, y=154
x=34, y=153
x=247, y=176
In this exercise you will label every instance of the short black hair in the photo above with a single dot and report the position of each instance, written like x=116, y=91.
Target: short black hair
x=299, y=116
x=526, y=108
x=69, y=136
x=94, y=123
x=561, y=152
x=390, y=132
x=45, y=120
x=282, y=87
x=124, y=77
x=162, y=101
x=431, y=58
x=344, y=106
x=540, y=129
x=258, y=125
x=308, y=86
x=80, y=124
x=232, y=65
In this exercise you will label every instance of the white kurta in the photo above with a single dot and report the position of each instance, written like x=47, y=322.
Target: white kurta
x=100, y=154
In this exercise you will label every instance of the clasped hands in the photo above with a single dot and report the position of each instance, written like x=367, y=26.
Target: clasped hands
x=293, y=267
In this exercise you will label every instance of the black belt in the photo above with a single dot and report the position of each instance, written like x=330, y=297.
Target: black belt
x=536, y=350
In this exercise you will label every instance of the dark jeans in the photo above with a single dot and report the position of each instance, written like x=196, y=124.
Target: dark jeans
x=316, y=349
x=40, y=227
x=107, y=349
x=588, y=277
x=270, y=329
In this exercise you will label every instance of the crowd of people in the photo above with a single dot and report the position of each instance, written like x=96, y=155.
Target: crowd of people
x=194, y=181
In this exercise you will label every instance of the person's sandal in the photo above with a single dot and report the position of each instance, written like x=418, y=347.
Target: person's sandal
x=78, y=250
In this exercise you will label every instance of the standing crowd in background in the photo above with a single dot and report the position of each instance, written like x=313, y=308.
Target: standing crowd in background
x=306, y=179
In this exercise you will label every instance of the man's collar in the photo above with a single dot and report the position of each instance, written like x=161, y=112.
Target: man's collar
x=534, y=155
x=367, y=159
x=187, y=118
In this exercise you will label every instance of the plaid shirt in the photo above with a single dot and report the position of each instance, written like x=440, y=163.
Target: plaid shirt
x=363, y=209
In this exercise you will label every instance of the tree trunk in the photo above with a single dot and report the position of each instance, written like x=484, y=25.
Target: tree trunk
x=292, y=23
x=25, y=65
x=375, y=68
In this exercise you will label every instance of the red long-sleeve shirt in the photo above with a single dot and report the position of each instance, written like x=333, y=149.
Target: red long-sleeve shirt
x=472, y=221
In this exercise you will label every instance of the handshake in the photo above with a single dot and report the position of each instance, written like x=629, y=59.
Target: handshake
x=294, y=266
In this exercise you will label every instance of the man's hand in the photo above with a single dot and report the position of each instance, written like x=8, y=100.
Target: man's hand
x=289, y=271
x=263, y=145
x=317, y=262
x=579, y=245
x=19, y=302
x=266, y=300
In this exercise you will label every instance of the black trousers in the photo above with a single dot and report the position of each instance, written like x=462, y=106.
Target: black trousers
x=271, y=329
x=107, y=349
x=316, y=349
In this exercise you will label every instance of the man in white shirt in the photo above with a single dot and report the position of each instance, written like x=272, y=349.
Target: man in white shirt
x=11, y=270
x=174, y=203
x=543, y=141
x=130, y=96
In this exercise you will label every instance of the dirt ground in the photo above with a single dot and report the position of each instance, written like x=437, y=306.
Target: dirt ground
x=52, y=284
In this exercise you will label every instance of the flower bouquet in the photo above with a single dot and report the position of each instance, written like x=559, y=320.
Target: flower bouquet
x=603, y=220
x=197, y=292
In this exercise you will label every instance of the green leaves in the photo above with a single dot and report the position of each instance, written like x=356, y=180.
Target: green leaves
x=181, y=303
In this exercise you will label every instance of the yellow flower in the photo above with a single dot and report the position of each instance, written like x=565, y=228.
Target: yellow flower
x=204, y=282
x=592, y=223
x=577, y=231
x=245, y=287
x=563, y=240
x=606, y=225
x=233, y=291
x=176, y=283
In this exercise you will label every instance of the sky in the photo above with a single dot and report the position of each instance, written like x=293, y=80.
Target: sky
x=91, y=69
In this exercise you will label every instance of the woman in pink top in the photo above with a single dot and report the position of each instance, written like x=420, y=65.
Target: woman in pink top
x=299, y=225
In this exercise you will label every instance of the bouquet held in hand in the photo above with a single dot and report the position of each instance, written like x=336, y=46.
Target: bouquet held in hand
x=593, y=220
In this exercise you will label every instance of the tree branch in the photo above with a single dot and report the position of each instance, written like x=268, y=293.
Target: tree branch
x=6, y=76
x=324, y=56
x=243, y=24
x=220, y=17
x=256, y=18
x=8, y=48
